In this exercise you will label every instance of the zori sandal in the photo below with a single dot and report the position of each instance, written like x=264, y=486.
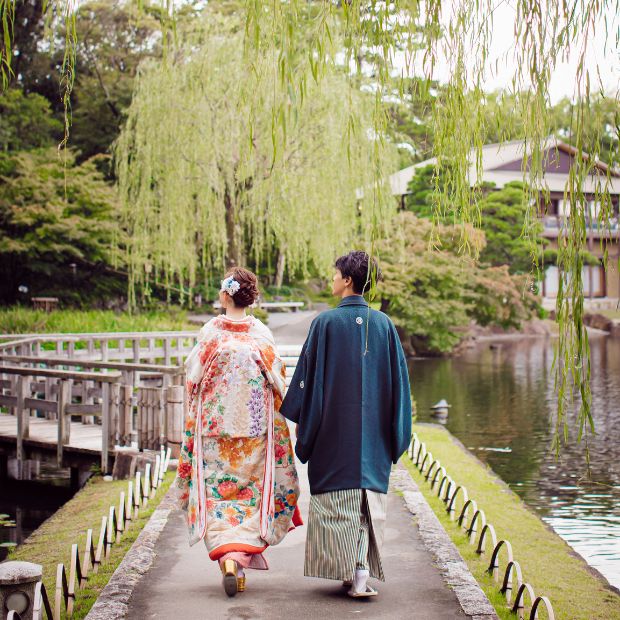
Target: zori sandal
x=364, y=594
x=229, y=579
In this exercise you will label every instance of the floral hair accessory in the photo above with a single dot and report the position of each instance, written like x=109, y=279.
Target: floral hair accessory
x=230, y=286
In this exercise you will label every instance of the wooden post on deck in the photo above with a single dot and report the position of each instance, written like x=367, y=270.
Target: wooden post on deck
x=64, y=421
x=23, y=421
x=105, y=426
x=175, y=398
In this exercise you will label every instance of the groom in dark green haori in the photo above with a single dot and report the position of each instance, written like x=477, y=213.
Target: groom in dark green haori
x=351, y=400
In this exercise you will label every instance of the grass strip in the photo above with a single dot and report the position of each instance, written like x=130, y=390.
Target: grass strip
x=51, y=543
x=19, y=320
x=548, y=563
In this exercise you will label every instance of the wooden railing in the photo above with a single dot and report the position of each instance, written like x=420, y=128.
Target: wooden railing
x=166, y=348
x=138, y=403
x=146, y=416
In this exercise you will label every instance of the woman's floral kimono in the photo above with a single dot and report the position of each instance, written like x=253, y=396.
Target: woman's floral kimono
x=236, y=475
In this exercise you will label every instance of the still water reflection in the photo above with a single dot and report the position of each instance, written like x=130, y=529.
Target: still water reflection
x=503, y=409
x=28, y=503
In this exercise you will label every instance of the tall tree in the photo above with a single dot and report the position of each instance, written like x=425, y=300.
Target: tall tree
x=195, y=193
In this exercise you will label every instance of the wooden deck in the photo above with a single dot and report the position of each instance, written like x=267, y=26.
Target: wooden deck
x=82, y=451
x=84, y=437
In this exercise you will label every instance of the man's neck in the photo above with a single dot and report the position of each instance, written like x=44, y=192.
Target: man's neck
x=346, y=294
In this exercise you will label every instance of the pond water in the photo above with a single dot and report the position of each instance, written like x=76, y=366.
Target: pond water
x=503, y=410
x=29, y=503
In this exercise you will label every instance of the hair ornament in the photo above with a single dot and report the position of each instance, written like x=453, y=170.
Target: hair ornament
x=230, y=286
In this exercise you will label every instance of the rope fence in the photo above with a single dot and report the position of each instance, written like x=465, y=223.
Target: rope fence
x=473, y=520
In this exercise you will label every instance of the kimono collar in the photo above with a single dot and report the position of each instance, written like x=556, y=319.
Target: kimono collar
x=230, y=325
x=353, y=300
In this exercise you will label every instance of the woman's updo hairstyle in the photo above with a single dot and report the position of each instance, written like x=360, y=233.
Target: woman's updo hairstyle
x=248, y=286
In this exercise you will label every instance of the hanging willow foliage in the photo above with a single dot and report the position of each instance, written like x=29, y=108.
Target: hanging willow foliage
x=217, y=166
x=291, y=50
x=546, y=31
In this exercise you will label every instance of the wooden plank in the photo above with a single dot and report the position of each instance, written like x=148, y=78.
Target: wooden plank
x=125, y=414
x=112, y=377
x=21, y=432
x=83, y=410
x=8, y=401
x=122, y=366
x=42, y=405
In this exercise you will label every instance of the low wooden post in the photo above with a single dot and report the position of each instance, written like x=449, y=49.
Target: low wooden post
x=175, y=398
x=64, y=421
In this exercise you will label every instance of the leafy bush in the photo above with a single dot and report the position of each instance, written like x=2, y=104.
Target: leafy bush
x=434, y=294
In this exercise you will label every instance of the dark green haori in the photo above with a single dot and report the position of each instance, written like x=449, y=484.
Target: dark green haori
x=350, y=396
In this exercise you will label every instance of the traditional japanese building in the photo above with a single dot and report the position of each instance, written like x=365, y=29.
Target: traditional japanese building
x=503, y=163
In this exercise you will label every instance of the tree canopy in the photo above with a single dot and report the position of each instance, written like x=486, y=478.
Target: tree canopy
x=204, y=181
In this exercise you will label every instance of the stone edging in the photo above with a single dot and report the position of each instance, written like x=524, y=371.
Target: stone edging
x=452, y=567
x=113, y=602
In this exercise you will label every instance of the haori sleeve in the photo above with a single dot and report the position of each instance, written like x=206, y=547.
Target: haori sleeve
x=401, y=397
x=303, y=403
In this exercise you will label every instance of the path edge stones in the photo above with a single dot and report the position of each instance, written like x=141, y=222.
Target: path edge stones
x=453, y=569
x=113, y=601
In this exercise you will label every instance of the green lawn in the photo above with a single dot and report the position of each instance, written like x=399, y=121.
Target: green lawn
x=51, y=543
x=547, y=562
x=18, y=320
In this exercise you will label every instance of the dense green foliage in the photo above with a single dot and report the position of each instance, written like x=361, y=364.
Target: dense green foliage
x=26, y=121
x=57, y=219
x=433, y=295
x=503, y=214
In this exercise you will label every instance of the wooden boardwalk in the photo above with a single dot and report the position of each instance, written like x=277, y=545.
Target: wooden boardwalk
x=84, y=437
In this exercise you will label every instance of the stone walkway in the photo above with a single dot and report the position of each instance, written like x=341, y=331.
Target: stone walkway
x=184, y=583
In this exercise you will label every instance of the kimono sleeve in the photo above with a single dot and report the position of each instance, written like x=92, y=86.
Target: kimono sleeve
x=401, y=397
x=303, y=403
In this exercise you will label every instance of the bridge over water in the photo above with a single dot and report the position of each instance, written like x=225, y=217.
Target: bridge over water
x=76, y=398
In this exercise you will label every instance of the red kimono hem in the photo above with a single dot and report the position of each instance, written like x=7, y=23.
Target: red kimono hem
x=216, y=554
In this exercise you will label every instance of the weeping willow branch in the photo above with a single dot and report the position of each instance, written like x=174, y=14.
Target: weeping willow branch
x=7, y=18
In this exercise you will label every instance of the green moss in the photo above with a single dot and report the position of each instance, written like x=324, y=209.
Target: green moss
x=547, y=562
x=51, y=543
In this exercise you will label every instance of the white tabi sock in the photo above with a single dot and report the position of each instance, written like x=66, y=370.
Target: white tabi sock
x=360, y=579
x=240, y=572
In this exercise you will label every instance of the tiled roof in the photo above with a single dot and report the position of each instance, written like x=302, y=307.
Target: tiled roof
x=497, y=155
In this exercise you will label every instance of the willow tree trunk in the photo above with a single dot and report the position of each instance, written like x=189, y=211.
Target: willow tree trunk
x=280, y=267
x=233, y=252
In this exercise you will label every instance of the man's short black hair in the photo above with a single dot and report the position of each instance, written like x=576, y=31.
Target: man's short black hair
x=354, y=265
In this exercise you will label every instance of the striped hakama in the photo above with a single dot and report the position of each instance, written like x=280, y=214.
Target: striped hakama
x=345, y=532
